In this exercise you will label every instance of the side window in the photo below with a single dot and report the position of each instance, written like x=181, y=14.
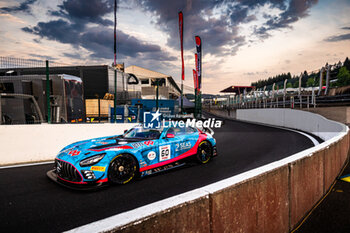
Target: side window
x=171, y=130
x=180, y=131
x=190, y=130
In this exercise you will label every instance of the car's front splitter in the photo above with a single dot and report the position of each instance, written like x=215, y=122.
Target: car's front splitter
x=83, y=187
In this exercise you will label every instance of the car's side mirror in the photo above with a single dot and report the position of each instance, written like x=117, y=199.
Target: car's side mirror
x=170, y=135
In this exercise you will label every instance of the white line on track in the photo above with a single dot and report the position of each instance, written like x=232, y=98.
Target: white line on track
x=26, y=165
x=314, y=141
x=306, y=135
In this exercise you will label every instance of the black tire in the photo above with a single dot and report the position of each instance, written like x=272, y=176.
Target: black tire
x=204, y=153
x=122, y=169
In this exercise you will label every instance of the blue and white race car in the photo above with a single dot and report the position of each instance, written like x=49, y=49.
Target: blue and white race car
x=136, y=153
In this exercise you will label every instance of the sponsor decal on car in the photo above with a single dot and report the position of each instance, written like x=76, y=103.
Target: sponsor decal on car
x=98, y=168
x=182, y=146
x=137, y=144
x=143, y=163
x=164, y=153
x=147, y=143
x=74, y=152
x=151, y=155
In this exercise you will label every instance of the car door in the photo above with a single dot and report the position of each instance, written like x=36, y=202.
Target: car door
x=167, y=146
x=189, y=138
x=192, y=136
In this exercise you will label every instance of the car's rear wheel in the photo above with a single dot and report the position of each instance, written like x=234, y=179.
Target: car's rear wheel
x=122, y=169
x=204, y=152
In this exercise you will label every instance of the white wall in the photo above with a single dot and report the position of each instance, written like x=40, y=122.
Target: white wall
x=295, y=119
x=29, y=143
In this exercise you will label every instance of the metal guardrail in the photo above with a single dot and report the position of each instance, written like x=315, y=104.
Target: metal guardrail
x=287, y=101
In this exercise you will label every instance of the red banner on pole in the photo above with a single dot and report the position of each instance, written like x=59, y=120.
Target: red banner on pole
x=181, y=25
x=199, y=59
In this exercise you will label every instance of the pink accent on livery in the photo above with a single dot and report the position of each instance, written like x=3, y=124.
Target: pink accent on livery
x=81, y=182
x=117, y=147
x=188, y=153
x=103, y=180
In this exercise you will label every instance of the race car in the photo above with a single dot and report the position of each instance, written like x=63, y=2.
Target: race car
x=136, y=153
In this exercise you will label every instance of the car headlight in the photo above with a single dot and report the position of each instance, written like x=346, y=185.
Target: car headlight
x=91, y=160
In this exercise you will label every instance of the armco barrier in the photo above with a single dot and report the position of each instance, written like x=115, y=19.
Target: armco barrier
x=271, y=198
x=33, y=143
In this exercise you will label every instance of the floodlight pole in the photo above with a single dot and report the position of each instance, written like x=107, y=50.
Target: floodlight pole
x=195, y=103
x=157, y=94
x=115, y=95
x=48, y=92
x=200, y=104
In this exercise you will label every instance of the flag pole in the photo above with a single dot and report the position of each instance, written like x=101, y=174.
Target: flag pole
x=182, y=91
x=199, y=73
x=181, y=24
x=115, y=62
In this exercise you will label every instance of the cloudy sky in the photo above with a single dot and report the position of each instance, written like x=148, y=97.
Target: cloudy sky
x=243, y=40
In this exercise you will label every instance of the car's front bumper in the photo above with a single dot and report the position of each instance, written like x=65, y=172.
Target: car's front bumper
x=77, y=186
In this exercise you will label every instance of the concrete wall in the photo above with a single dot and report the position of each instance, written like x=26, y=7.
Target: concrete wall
x=271, y=198
x=32, y=143
x=339, y=113
x=295, y=119
x=256, y=205
x=224, y=113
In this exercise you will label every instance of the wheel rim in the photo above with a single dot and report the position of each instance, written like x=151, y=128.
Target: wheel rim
x=204, y=153
x=122, y=169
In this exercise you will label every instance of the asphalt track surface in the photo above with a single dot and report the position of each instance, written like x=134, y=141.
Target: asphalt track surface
x=30, y=202
x=332, y=214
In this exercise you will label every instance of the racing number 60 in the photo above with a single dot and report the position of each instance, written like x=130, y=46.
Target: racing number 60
x=164, y=152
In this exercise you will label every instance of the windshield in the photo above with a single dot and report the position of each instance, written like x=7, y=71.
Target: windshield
x=140, y=132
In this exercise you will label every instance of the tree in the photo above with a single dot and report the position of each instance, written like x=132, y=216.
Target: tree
x=289, y=85
x=296, y=84
x=310, y=82
x=343, y=77
x=347, y=63
x=304, y=78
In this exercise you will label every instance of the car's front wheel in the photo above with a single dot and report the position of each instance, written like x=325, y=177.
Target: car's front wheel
x=204, y=152
x=122, y=169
